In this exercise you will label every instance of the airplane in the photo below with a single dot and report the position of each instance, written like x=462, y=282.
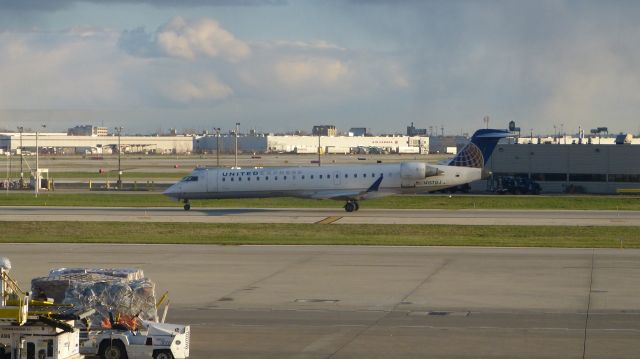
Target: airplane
x=349, y=183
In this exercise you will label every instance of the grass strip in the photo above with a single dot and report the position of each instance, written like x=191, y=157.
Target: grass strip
x=313, y=234
x=128, y=199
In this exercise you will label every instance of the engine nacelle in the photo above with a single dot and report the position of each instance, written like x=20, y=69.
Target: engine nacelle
x=417, y=171
x=412, y=170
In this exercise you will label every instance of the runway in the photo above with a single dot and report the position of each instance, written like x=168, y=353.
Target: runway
x=380, y=302
x=325, y=216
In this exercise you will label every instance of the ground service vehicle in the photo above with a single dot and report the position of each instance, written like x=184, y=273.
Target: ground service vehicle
x=27, y=332
x=153, y=340
x=517, y=185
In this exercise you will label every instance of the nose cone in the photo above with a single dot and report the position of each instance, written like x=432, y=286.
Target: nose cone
x=173, y=191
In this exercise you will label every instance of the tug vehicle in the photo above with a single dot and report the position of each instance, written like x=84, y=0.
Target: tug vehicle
x=152, y=340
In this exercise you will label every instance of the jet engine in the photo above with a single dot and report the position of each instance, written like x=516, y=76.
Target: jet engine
x=417, y=171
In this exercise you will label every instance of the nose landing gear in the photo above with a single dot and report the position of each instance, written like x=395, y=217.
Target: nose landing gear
x=351, y=206
x=187, y=206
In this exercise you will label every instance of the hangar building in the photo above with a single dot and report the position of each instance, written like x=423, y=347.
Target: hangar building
x=572, y=168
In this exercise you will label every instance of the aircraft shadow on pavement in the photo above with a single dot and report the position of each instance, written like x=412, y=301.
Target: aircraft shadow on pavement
x=232, y=211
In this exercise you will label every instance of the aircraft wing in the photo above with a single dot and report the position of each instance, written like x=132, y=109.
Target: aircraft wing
x=346, y=195
x=338, y=195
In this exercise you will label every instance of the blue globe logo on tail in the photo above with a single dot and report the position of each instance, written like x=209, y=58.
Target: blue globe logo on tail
x=477, y=152
x=470, y=156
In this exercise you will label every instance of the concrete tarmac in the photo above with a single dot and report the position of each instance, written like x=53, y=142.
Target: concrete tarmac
x=335, y=216
x=380, y=302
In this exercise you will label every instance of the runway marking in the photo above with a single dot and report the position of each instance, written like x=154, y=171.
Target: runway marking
x=621, y=330
x=247, y=325
x=319, y=345
x=329, y=220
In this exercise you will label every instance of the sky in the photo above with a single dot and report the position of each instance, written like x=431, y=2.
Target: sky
x=283, y=65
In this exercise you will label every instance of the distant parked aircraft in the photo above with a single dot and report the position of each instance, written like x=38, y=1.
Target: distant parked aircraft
x=349, y=183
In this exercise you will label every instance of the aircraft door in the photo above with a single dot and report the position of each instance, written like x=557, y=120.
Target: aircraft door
x=212, y=181
x=336, y=177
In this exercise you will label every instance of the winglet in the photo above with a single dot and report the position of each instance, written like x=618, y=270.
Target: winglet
x=374, y=187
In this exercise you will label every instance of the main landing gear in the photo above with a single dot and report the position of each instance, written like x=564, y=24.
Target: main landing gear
x=351, y=206
x=187, y=206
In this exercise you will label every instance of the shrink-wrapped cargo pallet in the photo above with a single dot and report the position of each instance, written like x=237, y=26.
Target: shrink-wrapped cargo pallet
x=124, y=292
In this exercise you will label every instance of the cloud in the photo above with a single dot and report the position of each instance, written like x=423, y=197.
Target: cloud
x=186, y=40
x=55, y=70
x=271, y=70
x=186, y=65
x=322, y=45
x=55, y=5
x=311, y=71
x=539, y=63
x=36, y=5
x=198, y=64
x=197, y=90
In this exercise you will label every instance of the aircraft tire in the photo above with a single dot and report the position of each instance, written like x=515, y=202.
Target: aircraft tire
x=349, y=207
x=187, y=206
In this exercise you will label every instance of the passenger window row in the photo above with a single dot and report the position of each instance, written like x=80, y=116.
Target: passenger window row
x=275, y=178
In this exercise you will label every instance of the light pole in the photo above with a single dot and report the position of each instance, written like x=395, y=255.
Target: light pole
x=119, y=130
x=37, y=186
x=319, y=148
x=217, y=146
x=8, y=169
x=236, y=156
x=531, y=139
x=21, y=130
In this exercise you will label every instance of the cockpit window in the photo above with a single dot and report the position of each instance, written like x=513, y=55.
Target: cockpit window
x=190, y=179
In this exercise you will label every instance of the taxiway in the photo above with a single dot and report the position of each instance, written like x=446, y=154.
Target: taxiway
x=334, y=216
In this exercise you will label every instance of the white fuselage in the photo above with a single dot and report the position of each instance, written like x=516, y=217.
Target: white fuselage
x=336, y=182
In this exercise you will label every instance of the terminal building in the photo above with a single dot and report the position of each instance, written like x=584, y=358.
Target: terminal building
x=62, y=143
x=310, y=144
x=226, y=143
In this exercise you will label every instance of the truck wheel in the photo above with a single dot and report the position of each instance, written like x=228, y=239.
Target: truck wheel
x=162, y=354
x=112, y=350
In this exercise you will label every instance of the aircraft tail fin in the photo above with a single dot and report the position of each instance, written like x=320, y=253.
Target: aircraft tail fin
x=477, y=152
